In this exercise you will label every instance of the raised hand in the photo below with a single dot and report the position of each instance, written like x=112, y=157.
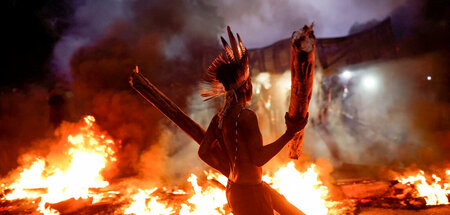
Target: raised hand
x=295, y=125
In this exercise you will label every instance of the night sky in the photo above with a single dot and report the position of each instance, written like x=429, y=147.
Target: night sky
x=32, y=29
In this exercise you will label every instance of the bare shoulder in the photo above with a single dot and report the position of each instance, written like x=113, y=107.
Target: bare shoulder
x=214, y=121
x=215, y=117
x=248, y=113
x=248, y=118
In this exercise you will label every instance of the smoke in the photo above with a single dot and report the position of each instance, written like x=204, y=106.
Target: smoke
x=267, y=21
x=106, y=40
x=400, y=119
x=92, y=18
x=181, y=151
x=89, y=21
x=390, y=113
x=24, y=119
x=167, y=40
x=358, y=27
x=391, y=127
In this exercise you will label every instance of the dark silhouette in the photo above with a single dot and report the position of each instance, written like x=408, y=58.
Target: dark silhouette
x=234, y=131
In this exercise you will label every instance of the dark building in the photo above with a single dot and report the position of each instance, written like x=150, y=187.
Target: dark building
x=331, y=53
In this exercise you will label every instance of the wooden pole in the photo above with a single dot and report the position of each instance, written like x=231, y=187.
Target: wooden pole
x=302, y=75
x=153, y=95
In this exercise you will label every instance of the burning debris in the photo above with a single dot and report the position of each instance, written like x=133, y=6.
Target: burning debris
x=433, y=189
x=413, y=192
x=74, y=183
x=88, y=152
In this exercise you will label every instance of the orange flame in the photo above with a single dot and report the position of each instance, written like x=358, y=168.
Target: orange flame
x=141, y=204
x=433, y=190
x=304, y=190
x=89, y=153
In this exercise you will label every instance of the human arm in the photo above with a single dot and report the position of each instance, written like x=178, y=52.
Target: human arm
x=211, y=151
x=260, y=154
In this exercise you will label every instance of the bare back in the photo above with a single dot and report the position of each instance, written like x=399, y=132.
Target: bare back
x=242, y=143
x=244, y=171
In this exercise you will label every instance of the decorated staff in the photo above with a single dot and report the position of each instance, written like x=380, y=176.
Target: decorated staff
x=303, y=47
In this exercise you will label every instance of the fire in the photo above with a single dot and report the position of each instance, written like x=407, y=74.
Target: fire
x=212, y=175
x=433, y=190
x=89, y=153
x=206, y=200
x=142, y=205
x=304, y=190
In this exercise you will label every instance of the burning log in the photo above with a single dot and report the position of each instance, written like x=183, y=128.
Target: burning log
x=302, y=75
x=71, y=205
x=365, y=190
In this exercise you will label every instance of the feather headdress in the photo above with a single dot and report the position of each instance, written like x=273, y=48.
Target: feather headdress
x=229, y=71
